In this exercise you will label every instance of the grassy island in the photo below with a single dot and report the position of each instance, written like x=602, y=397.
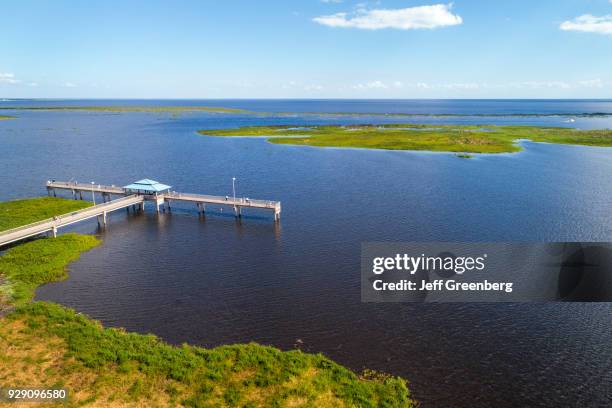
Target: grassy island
x=438, y=138
x=4, y=117
x=48, y=345
x=134, y=108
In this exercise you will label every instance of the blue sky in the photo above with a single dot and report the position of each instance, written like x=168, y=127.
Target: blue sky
x=307, y=49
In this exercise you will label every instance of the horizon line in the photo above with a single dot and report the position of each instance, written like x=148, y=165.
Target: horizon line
x=7, y=99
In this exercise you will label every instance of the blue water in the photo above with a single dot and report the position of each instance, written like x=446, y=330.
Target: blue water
x=214, y=280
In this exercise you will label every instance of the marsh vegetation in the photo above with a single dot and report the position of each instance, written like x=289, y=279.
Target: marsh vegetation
x=438, y=138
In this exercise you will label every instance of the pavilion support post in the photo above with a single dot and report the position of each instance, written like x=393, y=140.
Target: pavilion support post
x=54, y=195
x=74, y=195
x=81, y=195
x=54, y=231
x=142, y=206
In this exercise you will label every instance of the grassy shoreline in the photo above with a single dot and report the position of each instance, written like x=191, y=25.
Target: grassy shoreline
x=48, y=345
x=5, y=117
x=436, y=138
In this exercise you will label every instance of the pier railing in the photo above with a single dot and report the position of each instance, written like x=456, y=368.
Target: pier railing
x=238, y=201
x=96, y=188
x=128, y=199
x=165, y=197
x=52, y=224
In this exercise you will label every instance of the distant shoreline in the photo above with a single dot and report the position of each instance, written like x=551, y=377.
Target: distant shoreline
x=213, y=109
x=460, y=139
x=127, y=108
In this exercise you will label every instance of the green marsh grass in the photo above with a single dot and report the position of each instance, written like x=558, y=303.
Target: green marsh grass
x=34, y=263
x=463, y=139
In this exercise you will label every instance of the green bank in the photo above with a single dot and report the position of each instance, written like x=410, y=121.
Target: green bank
x=436, y=138
x=4, y=117
x=48, y=345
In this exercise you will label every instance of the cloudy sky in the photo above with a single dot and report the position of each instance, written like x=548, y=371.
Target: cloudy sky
x=307, y=49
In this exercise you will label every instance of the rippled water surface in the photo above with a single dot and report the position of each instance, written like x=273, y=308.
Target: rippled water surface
x=214, y=280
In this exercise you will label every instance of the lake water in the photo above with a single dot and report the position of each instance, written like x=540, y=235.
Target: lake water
x=215, y=280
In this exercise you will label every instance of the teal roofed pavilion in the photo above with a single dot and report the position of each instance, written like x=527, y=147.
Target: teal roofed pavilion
x=147, y=186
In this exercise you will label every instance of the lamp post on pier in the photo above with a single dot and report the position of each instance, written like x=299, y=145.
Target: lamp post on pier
x=234, y=193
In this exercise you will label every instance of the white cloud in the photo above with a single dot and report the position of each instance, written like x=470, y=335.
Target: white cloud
x=300, y=86
x=468, y=85
x=542, y=84
x=313, y=87
x=33, y=84
x=340, y=1
x=8, y=78
x=589, y=23
x=592, y=83
x=69, y=85
x=371, y=85
x=478, y=87
x=421, y=17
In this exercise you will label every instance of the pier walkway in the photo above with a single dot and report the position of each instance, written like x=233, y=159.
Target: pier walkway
x=161, y=195
x=135, y=194
x=52, y=224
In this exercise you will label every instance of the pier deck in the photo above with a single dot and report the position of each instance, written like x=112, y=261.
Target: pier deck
x=238, y=203
x=84, y=187
x=167, y=197
x=52, y=224
x=130, y=196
